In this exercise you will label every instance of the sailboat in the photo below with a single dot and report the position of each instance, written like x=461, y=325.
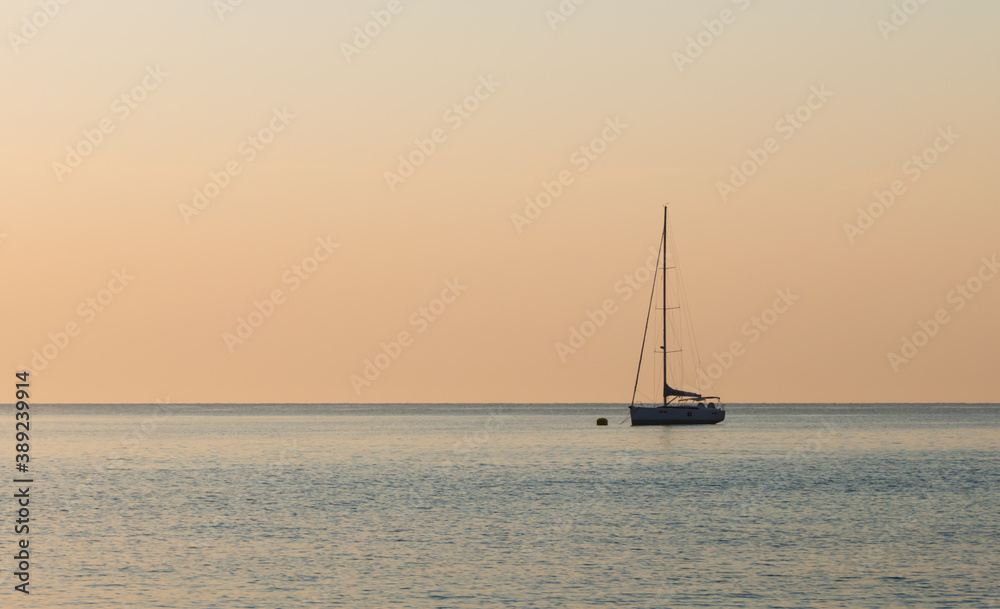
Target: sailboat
x=677, y=407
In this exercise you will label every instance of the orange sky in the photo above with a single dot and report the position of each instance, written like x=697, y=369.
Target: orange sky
x=459, y=187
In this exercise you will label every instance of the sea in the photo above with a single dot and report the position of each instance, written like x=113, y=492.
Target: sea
x=498, y=505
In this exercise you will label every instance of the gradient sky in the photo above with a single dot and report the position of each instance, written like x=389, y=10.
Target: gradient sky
x=323, y=176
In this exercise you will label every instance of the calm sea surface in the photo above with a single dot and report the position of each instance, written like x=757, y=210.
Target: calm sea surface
x=510, y=506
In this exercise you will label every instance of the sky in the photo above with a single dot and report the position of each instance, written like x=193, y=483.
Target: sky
x=433, y=200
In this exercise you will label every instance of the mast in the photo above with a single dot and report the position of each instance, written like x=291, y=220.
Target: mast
x=665, y=305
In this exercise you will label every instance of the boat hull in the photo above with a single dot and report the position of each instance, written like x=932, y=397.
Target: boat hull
x=676, y=415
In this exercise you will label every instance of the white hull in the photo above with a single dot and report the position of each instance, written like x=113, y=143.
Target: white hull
x=695, y=414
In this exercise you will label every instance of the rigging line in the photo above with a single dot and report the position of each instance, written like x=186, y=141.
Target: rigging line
x=646, y=329
x=677, y=327
x=654, y=377
x=691, y=333
x=682, y=292
x=686, y=324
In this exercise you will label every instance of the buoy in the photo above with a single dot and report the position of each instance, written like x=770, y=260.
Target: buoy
x=602, y=421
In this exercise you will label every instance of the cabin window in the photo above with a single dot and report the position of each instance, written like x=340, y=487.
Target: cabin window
x=689, y=414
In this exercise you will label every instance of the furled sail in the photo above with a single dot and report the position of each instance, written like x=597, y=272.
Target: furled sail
x=669, y=392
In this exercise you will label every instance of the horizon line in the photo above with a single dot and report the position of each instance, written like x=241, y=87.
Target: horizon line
x=496, y=404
